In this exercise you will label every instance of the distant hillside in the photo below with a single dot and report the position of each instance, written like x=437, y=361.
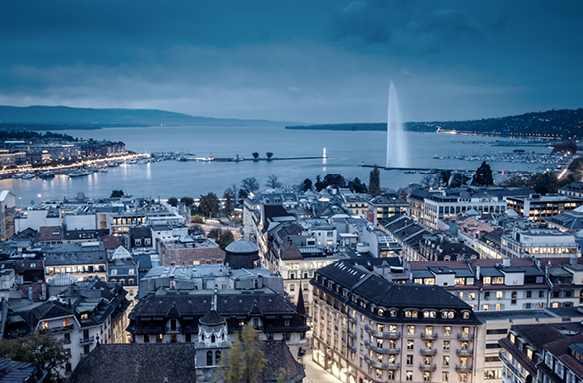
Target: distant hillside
x=563, y=124
x=62, y=117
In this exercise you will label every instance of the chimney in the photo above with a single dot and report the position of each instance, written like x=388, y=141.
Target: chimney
x=573, y=261
x=477, y=273
x=506, y=262
x=30, y=292
x=548, y=270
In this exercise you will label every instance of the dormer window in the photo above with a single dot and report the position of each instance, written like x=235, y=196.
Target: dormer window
x=465, y=315
x=447, y=314
x=429, y=314
x=393, y=313
x=410, y=313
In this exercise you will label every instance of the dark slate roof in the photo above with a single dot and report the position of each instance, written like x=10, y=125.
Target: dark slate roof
x=271, y=211
x=279, y=357
x=19, y=372
x=212, y=318
x=137, y=363
x=380, y=292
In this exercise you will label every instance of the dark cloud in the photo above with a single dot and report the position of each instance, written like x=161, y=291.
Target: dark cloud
x=326, y=61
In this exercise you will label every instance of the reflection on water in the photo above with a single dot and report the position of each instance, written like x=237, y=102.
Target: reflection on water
x=345, y=152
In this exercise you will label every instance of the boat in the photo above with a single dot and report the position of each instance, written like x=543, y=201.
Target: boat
x=79, y=173
x=47, y=175
x=410, y=172
x=28, y=176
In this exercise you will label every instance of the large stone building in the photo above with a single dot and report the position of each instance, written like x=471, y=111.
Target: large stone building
x=177, y=298
x=369, y=329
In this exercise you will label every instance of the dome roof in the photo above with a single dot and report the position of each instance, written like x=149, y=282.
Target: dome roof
x=242, y=246
x=212, y=318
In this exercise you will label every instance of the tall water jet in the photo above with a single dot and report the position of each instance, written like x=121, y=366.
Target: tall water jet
x=396, y=142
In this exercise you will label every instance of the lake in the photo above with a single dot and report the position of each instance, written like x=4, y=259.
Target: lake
x=346, y=151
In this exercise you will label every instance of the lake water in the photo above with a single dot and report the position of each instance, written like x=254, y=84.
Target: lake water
x=346, y=151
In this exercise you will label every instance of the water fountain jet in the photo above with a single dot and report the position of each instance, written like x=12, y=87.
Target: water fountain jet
x=397, y=151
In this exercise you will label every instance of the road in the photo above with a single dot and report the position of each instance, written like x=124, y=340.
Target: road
x=315, y=373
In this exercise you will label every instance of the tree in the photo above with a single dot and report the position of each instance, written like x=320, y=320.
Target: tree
x=172, y=201
x=269, y=155
x=356, y=186
x=229, y=197
x=117, y=194
x=444, y=177
x=214, y=234
x=42, y=349
x=249, y=185
x=546, y=183
x=272, y=182
x=208, y=205
x=255, y=155
x=483, y=176
x=374, y=183
x=515, y=180
x=188, y=201
x=245, y=360
x=458, y=180
x=306, y=185
x=225, y=238
x=334, y=180
x=428, y=181
x=319, y=184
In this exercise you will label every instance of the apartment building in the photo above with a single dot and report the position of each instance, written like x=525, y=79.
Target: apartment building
x=369, y=329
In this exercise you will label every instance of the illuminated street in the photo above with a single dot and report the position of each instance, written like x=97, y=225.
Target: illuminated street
x=315, y=373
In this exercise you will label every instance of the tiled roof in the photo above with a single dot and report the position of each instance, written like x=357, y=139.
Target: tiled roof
x=137, y=363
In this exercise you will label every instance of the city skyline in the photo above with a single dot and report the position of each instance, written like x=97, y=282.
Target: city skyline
x=322, y=62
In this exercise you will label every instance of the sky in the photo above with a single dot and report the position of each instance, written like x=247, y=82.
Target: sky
x=328, y=61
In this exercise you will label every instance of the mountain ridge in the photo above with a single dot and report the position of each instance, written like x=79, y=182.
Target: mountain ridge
x=95, y=118
x=560, y=124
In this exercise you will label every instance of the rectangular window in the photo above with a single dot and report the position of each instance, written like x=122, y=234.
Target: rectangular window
x=409, y=360
x=411, y=330
x=446, y=345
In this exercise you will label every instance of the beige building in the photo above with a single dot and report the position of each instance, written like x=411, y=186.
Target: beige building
x=367, y=329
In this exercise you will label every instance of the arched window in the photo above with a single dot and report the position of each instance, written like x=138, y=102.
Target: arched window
x=217, y=356
x=213, y=338
x=209, y=358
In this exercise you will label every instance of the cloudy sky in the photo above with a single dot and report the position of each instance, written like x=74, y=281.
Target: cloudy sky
x=309, y=61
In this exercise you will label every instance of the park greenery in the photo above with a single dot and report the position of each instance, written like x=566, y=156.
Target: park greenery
x=43, y=349
x=245, y=360
x=374, y=183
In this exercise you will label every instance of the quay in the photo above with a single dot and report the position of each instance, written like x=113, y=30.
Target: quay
x=241, y=159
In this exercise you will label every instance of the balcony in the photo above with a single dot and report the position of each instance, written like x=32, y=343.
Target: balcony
x=350, y=332
x=429, y=336
x=351, y=348
x=54, y=330
x=83, y=355
x=428, y=351
x=427, y=367
x=384, y=334
x=86, y=340
x=463, y=368
x=382, y=349
x=465, y=336
x=464, y=352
